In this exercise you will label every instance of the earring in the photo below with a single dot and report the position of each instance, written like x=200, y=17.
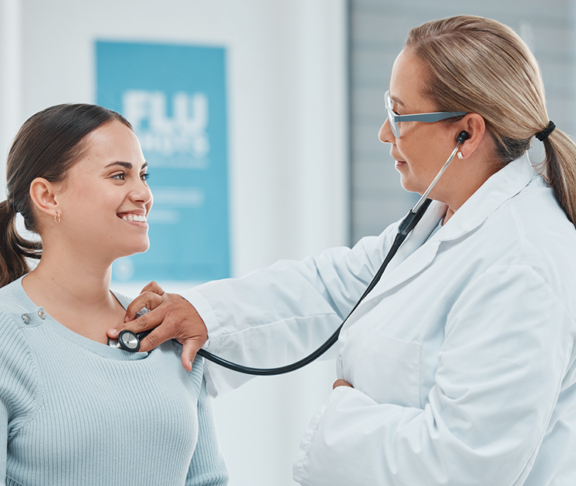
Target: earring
x=460, y=156
x=57, y=217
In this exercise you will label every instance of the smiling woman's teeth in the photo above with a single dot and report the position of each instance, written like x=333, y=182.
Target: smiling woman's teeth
x=134, y=217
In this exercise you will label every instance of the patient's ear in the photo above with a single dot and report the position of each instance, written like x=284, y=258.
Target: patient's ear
x=44, y=197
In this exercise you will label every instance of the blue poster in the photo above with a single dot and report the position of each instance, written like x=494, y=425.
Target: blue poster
x=175, y=98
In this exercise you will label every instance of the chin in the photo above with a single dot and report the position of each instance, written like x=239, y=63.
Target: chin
x=407, y=185
x=410, y=185
x=143, y=248
x=133, y=249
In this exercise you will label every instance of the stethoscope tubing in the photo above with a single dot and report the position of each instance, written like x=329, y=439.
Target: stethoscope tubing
x=404, y=229
x=409, y=222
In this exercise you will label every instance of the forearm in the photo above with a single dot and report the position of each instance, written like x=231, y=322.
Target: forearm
x=312, y=289
x=354, y=440
x=278, y=315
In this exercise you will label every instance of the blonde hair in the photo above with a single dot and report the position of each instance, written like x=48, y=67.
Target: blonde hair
x=482, y=66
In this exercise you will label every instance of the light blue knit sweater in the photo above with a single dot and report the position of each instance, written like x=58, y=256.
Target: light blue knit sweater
x=76, y=412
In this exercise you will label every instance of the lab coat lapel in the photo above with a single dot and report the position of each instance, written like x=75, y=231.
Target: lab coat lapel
x=413, y=256
x=418, y=236
x=415, y=259
x=501, y=187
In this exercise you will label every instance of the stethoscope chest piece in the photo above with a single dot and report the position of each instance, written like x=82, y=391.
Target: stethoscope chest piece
x=127, y=340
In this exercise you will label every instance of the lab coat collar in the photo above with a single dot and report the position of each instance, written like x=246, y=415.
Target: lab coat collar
x=502, y=186
x=413, y=256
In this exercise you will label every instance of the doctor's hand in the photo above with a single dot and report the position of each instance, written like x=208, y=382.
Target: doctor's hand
x=175, y=317
x=338, y=383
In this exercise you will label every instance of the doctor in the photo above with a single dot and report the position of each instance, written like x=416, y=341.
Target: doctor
x=460, y=367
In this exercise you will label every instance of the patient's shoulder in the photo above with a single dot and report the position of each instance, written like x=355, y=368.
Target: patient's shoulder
x=13, y=299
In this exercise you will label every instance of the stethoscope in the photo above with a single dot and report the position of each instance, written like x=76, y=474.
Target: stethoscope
x=130, y=341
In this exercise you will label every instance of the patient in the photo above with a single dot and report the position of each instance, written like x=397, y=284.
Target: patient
x=72, y=409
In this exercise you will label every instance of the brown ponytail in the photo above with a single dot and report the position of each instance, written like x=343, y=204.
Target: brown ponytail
x=47, y=145
x=479, y=65
x=13, y=248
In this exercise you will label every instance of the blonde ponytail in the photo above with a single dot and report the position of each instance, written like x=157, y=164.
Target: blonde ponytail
x=559, y=169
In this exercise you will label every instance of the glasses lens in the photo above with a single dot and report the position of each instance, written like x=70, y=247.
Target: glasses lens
x=391, y=118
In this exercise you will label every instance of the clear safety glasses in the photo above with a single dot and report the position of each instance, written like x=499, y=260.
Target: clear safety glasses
x=395, y=119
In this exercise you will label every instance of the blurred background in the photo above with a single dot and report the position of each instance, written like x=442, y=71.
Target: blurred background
x=259, y=119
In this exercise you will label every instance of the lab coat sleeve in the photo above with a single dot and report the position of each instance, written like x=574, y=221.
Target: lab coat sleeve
x=207, y=467
x=507, y=347
x=278, y=315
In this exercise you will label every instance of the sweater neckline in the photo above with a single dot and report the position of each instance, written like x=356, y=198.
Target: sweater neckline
x=93, y=346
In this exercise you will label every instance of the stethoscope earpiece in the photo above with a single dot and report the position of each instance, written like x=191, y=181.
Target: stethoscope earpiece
x=462, y=137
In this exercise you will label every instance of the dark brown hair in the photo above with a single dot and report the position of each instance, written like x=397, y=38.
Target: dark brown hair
x=46, y=146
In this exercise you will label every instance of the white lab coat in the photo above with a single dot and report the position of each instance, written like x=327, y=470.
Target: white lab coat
x=462, y=358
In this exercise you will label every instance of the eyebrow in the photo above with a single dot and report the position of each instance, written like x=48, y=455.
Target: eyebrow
x=126, y=165
x=396, y=100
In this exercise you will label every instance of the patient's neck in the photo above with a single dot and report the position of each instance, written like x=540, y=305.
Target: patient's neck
x=74, y=288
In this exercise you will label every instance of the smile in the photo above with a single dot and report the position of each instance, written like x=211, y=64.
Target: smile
x=137, y=218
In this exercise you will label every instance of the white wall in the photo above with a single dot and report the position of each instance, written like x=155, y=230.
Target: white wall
x=10, y=78
x=288, y=167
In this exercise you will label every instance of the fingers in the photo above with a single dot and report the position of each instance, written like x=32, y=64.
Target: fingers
x=144, y=322
x=171, y=317
x=189, y=350
x=155, y=338
x=150, y=300
x=153, y=287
